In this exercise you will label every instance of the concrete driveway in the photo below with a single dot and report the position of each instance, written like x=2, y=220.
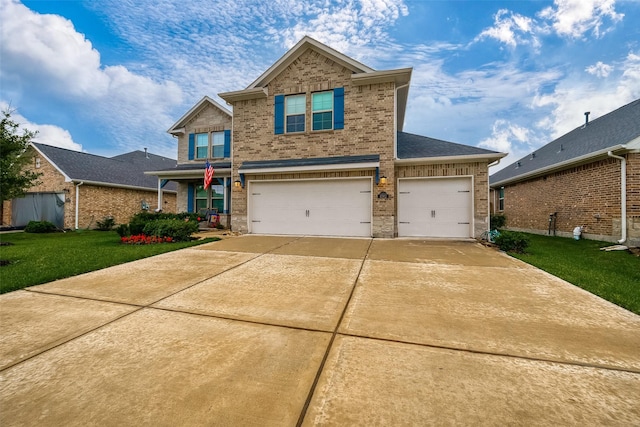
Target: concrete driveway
x=285, y=331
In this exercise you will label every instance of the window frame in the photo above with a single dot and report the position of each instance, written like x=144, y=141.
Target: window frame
x=220, y=146
x=197, y=147
x=287, y=115
x=322, y=112
x=501, y=199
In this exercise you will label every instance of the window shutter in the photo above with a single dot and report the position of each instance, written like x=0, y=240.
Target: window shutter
x=278, y=116
x=227, y=143
x=192, y=145
x=190, y=191
x=338, y=108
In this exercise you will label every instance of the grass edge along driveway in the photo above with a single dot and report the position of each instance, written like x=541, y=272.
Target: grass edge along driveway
x=614, y=275
x=42, y=258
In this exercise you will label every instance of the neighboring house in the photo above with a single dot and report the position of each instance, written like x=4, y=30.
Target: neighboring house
x=78, y=189
x=589, y=177
x=318, y=148
x=204, y=134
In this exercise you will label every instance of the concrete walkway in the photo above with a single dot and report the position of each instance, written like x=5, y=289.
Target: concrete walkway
x=285, y=331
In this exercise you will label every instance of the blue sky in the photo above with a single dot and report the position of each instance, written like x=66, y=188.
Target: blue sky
x=111, y=76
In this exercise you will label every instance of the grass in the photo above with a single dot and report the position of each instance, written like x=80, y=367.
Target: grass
x=614, y=275
x=41, y=258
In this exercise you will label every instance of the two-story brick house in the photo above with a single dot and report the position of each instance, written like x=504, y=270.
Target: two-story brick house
x=318, y=148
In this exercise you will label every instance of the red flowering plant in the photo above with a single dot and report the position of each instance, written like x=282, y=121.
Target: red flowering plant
x=143, y=239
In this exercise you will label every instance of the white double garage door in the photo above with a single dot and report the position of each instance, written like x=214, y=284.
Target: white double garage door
x=427, y=207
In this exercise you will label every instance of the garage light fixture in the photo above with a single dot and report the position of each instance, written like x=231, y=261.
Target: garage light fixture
x=383, y=180
x=237, y=184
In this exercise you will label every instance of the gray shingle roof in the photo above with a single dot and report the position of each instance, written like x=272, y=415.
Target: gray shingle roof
x=125, y=169
x=412, y=146
x=611, y=130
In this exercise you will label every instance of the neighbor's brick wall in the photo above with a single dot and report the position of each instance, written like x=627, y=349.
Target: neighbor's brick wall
x=208, y=119
x=480, y=173
x=95, y=202
x=368, y=129
x=586, y=195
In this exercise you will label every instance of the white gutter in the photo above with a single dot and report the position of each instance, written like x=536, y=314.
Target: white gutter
x=395, y=120
x=623, y=195
x=451, y=159
x=312, y=168
x=78, y=201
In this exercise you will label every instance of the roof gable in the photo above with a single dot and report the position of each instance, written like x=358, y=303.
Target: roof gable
x=584, y=143
x=307, y=43
x=180, y=124
x=124, y=170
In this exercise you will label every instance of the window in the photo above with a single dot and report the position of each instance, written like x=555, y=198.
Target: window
x=295, y=112
x=322, y=110
x=501, y=199
x=202, y=145
x=217, y=144
x=217, y=198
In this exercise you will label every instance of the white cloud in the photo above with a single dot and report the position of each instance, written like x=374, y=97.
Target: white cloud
x=45, y=134
x=44, y=55
x=599, y=69
x=574, y=18
x=511, y=29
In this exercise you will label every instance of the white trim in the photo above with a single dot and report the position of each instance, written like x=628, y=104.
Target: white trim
x=176, y=130
x=243, y=95
x=400, y=76
x=108, y=184
x=191, y=173
x=455, y=159
x=67, y=178
x=311, y=168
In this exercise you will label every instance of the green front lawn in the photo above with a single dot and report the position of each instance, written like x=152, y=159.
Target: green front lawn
x=41, y=258
x=614, y=276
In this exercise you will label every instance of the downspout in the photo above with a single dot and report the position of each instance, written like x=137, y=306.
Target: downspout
x=623, y=195
x=395, y=120
x=78, y=201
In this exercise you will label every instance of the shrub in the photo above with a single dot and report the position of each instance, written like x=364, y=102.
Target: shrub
x=178, y=230
x=141, y=219
x=497, y=221
x=40, y=227
x=106, y=224
x=141, y=239
x=123, y=230
x=510, y=241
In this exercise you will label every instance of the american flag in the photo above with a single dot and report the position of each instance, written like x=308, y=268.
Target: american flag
x=208, y=174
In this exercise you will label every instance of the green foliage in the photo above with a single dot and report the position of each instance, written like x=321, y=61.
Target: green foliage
x=106, y=224
x=41, y=258
x=511, y=241
x=15, y=178
x=613, y=275
x=123, y=230
x=140, y=220
x=178, y=230
x=40, y=227
x=497, y=221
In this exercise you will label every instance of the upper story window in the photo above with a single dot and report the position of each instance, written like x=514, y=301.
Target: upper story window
x=322, y=110
x=209, y=145
x=202, y=145
x=327, y=112
x=217, y=145
x=295, y=107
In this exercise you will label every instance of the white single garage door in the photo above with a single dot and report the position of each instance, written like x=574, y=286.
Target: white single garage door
x=435, y=207
x=336, y=207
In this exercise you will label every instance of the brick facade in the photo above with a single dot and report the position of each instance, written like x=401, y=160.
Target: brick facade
x=207, y=119
x=587, y=195
x=96, y=202
x=368, y=116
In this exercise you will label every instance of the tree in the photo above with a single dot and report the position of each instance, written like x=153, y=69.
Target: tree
x=15, y=178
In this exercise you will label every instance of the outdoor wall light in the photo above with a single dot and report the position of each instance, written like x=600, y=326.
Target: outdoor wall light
x=237, y=184
x=383, y=180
